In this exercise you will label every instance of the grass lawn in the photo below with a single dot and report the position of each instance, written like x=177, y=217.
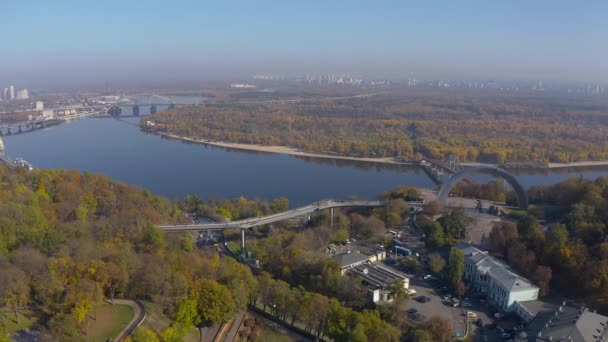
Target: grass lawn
x=272, y=335
x=155, y=318
x=235, y=247
x=109, y=321
x=8, y=322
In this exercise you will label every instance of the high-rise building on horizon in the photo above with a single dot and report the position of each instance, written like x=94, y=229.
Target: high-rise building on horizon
x=39, y=105
x=23, y=94
x=11, y=91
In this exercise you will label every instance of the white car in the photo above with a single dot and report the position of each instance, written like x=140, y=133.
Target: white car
x=411, y=292
x=471, y=315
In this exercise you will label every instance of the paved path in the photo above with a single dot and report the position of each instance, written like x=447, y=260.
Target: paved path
x=234, y=328
x=139, y=315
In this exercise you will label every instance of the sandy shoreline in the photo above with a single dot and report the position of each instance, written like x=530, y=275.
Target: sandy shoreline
x=284, y=150
x=577, y=164
x=384, y=160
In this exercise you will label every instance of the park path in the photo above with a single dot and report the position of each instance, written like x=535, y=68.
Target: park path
x=139, y=315
x=234, y=328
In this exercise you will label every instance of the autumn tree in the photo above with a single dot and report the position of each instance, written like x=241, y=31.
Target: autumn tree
x=215, y=302
x=436, y=263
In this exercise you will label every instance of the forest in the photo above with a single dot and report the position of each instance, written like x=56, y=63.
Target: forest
x=69, y=240
x=496, y=128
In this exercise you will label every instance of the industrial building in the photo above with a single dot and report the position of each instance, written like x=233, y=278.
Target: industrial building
x=375, y=275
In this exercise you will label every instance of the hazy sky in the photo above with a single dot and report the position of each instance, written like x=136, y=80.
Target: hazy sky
x=112, y=40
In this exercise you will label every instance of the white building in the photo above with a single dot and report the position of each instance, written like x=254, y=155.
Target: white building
x=39, y=105
x=23, y=94
x=48, y=114
x=503, y=287
x=11, y=92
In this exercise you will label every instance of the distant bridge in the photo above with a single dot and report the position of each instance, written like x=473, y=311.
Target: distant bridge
x=437, y=168
x=285, y=215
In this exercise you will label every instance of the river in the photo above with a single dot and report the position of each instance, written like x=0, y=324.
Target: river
x=173, y=168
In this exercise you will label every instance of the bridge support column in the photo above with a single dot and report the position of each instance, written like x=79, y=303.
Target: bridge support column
x=332, y=217
x=243, y=242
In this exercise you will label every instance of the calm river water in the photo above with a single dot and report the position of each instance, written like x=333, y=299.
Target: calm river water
x=174, y=168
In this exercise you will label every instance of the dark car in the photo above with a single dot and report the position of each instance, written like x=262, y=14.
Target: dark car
x=479, y=322
x=412, y=311
x=423, y=299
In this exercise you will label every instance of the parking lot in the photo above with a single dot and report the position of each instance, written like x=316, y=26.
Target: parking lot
x=437, y=306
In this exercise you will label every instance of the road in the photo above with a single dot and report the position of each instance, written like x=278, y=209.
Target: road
x=139, y=315
x=285, y=215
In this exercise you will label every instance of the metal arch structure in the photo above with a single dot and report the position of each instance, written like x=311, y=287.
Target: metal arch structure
x=522, y=198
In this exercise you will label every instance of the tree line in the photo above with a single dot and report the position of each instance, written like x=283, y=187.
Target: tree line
x=497, y=129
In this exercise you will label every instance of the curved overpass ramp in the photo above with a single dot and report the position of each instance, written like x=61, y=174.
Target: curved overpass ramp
x=285, y=215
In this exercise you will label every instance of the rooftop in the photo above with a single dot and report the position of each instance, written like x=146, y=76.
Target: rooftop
x=377, y=275
x=348, y=259
x=575, y=324
x=534, y=307
x=497, y=269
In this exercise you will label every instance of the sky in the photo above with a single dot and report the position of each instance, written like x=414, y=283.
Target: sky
x=178, y=40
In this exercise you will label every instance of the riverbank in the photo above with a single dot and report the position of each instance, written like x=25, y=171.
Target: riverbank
x=577, y=164
x=283, y=150
x=384, y=160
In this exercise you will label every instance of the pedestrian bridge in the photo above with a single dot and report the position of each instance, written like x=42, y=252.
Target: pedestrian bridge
x=285, y=215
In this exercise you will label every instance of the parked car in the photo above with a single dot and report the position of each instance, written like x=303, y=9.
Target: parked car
x=479, y=322
x=499, y=315
x=505, y=336
x=446, y=297
x=411, y=292
x=423, y=299
x=455, y=302
x=411, y=311
x=471, y=315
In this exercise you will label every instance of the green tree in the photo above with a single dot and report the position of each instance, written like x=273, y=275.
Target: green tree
x=436, y=263
x=420, y=335
x=153, y=239
x=435, y=235
x=455, y=266
x=454, y=221
x=142, y=334
x=215, y=302
x=397, y=289
x=279, y=205
x=557, y=234
x=187, y=313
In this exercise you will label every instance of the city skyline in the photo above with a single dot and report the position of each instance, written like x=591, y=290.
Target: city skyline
x=72, y=42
